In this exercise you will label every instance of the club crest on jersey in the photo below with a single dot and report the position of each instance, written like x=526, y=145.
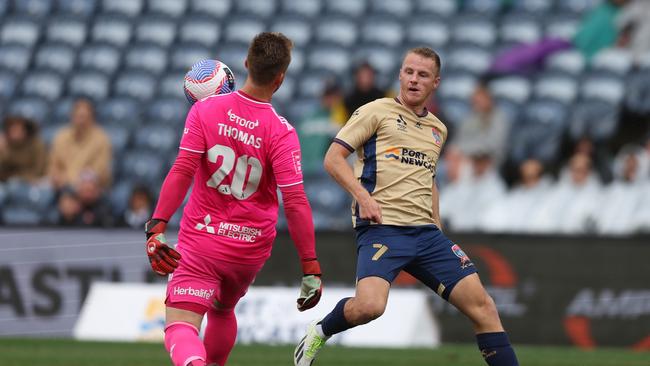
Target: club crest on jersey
x=464, y=259
x=401, y=123
x=436, y=136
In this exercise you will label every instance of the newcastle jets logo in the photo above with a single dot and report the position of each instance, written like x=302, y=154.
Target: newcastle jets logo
x=205, y=225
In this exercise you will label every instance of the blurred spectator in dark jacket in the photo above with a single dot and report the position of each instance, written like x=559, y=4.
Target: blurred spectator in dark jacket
x=485, y=129
x=84, y=204
x=69, y=208
x=140, y=207
x=22, y=152
x=81, y=146
x=364, y=90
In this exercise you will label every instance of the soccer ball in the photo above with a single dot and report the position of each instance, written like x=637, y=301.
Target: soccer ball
x=206, y=78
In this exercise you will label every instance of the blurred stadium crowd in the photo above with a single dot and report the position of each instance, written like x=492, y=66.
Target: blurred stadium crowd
x=547, y=102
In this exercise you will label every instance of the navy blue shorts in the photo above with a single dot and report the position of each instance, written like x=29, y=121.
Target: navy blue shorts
x=422, y=251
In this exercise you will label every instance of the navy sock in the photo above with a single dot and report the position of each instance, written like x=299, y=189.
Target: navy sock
x=496, y=349
x=335, y=321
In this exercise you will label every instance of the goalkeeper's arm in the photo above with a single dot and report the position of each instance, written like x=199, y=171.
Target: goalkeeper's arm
x=301, y=230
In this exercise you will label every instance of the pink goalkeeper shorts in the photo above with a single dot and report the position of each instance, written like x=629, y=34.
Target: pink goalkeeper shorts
x=199, y=281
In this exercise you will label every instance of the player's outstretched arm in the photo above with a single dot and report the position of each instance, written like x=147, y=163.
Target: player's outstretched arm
x=164, y=259
x=337, y=166
x=301, y=230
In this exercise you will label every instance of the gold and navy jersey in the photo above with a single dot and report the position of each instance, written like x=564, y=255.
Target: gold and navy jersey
x=397, y=153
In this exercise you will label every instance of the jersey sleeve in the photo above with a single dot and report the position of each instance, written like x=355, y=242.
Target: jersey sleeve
x=193, y=138
x=286, y=157
x=359, y=128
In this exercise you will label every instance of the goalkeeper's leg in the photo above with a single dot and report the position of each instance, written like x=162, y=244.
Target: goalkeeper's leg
x=182, y=337
x=220, y=334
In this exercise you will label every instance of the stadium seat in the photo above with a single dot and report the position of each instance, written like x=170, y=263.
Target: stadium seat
x=215, y=8
x=300, y=108
x=482, y=7
x=457, y=85
x=243, y=29
x=303, y=8
x=14, y=58
x=18, y=215
x=148, y=57
x=384, y=60
x=561, y=26
x=129, y=8
x=67, y=30
x=123, y=111
x=424, y=31
x=537, y=8
x=443, y=8
x=560, y=87
x=233, y=55
x=34, y=108
x=119, y=137
x=103, y=57
x=570, y=61
x=21, y=31
x=286, y=91
x=576, y=6
x=260, y=8
x=170, y=8
x=185, y=55
x=81, y=9
x=55, y=56
x=514, y=88
x=89, y=83
x=61, y=111
x=48, y=132
x=4, y=7
x=595, y=119
x=637, y=97
x=119, y=197
x=171, y=85
x=138, y=85
x=43, y=84
x=157, y=30
x=203, y=30
x=455, y=110
x=474, y=30
x=157, y=138
x=168, y=111
x=296, y=28
x=8, y=85
x=37, y=9
x=142, y=166
x=333, y=59
x=605, y=88
x=27, y=195
x=393, y=9
x=469, y=59
x=539, y=132
x=520, y=29
x=354, y=9
x=325, y=196
x=112, y=29
x=383, y=31
x=337, y=30
x=612, y=60
x=297, y=62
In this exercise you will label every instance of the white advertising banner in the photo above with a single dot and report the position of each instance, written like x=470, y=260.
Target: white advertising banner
x=135, y=312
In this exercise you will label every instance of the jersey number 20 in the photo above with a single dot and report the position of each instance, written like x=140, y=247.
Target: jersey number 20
x=239, y=187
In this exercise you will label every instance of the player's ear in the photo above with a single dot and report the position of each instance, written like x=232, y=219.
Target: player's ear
x=436, y=82
x=246, y=64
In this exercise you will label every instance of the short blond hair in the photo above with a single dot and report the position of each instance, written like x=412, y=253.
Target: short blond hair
x=427, y=52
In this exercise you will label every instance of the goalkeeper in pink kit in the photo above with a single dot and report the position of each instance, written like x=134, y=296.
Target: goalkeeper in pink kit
x=237, y=151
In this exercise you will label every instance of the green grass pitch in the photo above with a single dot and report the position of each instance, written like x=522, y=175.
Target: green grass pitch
x=47, y=352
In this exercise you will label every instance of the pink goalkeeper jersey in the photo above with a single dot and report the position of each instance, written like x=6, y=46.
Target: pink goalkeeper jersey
x=248, y=152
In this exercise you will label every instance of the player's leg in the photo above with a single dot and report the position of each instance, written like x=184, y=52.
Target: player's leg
x=382, y=253
x=470, y=297
x=182, y=336
x=446, y=269
x=221, y=331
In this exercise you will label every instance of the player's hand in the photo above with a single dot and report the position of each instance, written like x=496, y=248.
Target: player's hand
x=311, y=287
x=162, y=258
x=369, y=209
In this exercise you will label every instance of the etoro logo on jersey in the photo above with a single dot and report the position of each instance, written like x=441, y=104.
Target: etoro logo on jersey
x=409, y=156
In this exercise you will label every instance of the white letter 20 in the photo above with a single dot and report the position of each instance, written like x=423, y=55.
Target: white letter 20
x=238, y=188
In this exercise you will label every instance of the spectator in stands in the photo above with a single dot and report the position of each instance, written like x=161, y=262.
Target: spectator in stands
x=486, y=128
x=634, y=28
x=95, y=207
x=81, y=146
x=140, y=207
x=568, y=206
x=464, y=203
x=69, y=208
x=364, y=91
x=598, y=28
x=22, y=152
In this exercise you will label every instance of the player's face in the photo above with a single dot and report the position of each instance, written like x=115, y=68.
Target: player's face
x=418, y=78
